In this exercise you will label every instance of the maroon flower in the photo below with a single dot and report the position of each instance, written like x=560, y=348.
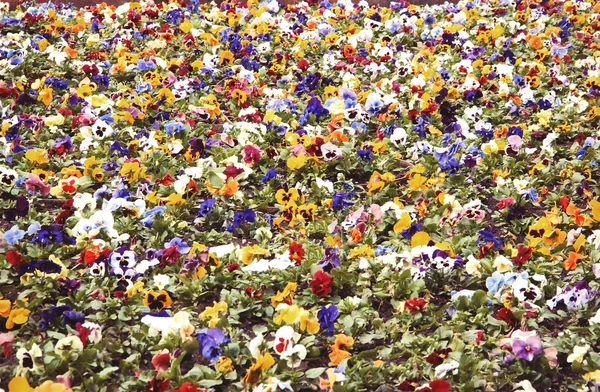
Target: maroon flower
x=523, y=254
x=251, y=154
x=232, y=171
x=252, y=293
x=155, y=385
x=437, y=357
x=440, y=386
x=83, y=333
x=507, y=201
x=170, y=255
x=232, y=267
x=507, y=316
x=188, y=387
x=407, y=385
x=321, y=284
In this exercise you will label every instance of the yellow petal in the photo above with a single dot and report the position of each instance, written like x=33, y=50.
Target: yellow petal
x=19, y=384
x=403, y=223
x=595, y=209
x=186, y=26
x=267, y=362
x=291, y=314
x=579, y=243
x=420, y=239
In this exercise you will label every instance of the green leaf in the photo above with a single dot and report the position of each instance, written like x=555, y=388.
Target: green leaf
x=108, y=371
x=215, y=180
x=209, y=383
x=315, y=372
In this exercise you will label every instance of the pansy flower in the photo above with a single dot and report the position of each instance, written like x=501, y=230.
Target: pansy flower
x=210, y=341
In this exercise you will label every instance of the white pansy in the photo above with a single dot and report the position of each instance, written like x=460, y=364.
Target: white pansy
x=70, y=344
x=445, y=368
x=161, y=281
x=578, y=353
x=472, y=266
x=180, y=185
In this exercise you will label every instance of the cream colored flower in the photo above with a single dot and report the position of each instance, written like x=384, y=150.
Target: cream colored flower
x=68, y=344
x=578, y=353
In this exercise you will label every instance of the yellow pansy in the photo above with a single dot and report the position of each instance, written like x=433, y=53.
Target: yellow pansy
x=213, y=312
x=186, y=26
x=284, y=197
x=378, y=181
x=420, y=238
x=363, y=250
x=239, y=95
x=37, y=157
x=137, y=287
x=19, y=384
x=287, y=295
x=54, y=120
x=250, y=253
x=417, y=182
x=17, y=316
x=225, y=365
x=295, y=163
x=306, y=212
x=288, y=314
x=308, y=322
x=592, y=376
x=99, y=100
x=4, y=307
x=46, y=96
x=263, y=362
x=132, y=170
x=403, y=223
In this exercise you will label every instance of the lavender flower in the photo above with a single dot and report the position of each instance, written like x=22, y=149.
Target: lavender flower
x=527, y=349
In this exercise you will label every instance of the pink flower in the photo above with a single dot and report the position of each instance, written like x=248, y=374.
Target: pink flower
x=551, y=355
x=298, y=149
x=65, y=380
x=375, y=210
x=515, y=142
x=331, y=151
x=34, y=184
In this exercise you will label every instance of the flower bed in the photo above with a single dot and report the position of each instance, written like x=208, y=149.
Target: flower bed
x=327, y=196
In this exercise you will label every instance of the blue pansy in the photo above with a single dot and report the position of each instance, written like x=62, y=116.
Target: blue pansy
x=14, y=235
x=206, y=207
x=210, y=340
x=327, y=316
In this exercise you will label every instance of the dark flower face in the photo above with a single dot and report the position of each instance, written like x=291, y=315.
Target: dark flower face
x=27, y=361
x=20, y=209
x=45, y=266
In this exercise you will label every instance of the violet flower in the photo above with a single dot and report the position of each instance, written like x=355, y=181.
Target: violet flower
x=527, y=349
